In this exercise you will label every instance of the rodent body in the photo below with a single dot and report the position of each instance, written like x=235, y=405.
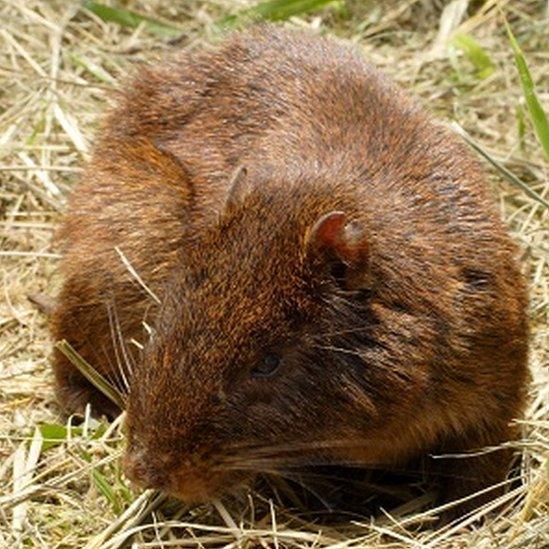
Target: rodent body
x=350, y=295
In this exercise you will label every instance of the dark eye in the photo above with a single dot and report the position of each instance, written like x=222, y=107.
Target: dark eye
x=267, y=367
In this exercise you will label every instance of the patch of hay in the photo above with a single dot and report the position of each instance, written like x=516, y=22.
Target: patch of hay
x=58, y=66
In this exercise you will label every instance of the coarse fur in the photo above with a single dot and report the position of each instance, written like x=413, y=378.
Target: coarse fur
x=360, y=246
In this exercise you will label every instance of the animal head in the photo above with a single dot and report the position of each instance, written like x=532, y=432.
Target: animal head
x=257, y=360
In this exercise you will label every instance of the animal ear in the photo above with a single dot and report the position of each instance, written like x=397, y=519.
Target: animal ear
x=239, y=187
x=342, y=244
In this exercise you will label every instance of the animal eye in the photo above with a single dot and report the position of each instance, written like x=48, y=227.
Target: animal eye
x=267, y=367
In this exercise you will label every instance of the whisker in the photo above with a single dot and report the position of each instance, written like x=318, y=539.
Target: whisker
x=121, y=377
x=338, y=350
x=122, y=380
x=128, y=359
x=298, y=479
x=259, y=458
x=287, y=463
x=343, y=332
x=111, y=373
x=135, y=274
x=299, y=446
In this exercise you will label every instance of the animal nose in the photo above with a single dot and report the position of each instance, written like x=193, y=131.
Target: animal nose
x=143, y=472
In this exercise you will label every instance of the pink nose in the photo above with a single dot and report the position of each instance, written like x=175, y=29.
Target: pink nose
x=143, y=472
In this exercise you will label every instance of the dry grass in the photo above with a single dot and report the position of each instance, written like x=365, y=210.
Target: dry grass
x=58, y=65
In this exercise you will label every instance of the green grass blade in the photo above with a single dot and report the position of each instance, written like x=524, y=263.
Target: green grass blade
x=537, y=114
x=275, y=10
x=93, y=68
x=521, y=125
x=132, y=19
x=103, y=485
x=510, y=176
x=91, y=374
x=475, y=53
x=54, y=434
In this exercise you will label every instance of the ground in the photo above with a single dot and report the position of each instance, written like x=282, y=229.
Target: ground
x=60, y=65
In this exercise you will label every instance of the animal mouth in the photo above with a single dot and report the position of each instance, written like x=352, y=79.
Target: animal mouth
x=191, y=479
x=188, y=484
x=194, y=489
x=203, y=486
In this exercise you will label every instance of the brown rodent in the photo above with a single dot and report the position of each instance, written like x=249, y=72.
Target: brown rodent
x=335, y=281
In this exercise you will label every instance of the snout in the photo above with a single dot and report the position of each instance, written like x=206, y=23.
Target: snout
x=189, y=480
x=144, y=472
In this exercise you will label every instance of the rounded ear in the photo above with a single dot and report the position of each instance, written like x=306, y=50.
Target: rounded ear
x=239, y=187
x=333, y=234
x=334, y=237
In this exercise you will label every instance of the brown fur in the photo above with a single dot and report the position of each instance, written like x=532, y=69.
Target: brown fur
x=401, y=320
